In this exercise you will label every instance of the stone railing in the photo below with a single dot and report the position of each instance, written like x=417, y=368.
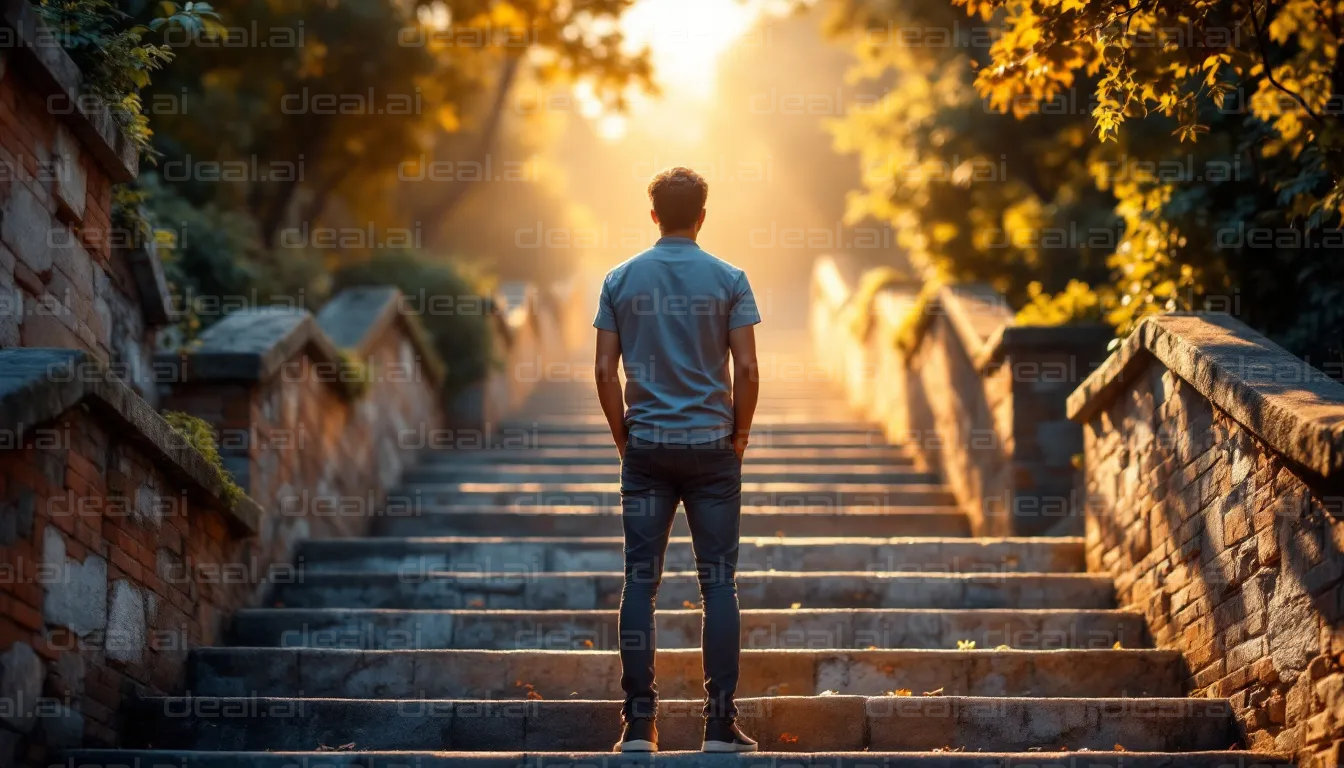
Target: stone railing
x=124, y=546
x=1214, y=460
x=68, y=277
x=316, y=416
x=527, y=335
x=945, y=371
x=121, y=548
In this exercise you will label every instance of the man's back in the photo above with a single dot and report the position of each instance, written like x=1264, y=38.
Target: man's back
x=673, y=306
x=674, y=315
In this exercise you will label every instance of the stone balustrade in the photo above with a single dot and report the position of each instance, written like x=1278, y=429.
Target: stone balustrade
x=947, y=372
x=527, y=341
x=124, y=546
x=1213, y=462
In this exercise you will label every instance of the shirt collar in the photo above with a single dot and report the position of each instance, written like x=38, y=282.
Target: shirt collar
x=683, y=241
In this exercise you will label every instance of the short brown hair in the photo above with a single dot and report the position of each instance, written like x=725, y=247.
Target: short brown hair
x=678, y=196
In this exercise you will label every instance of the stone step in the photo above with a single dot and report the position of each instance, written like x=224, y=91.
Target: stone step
x=788, y=724
x=771, y=438
x=606, y=521
x=610, y=473
x=542, y=554
x=605, y=455
x=756, y=589
x=608, y=494
x=597, y=674
x=802, y=629
x=606, y=759
x=765, y=424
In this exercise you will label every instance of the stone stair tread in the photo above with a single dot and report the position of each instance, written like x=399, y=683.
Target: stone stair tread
x=680, y=628
x=404, y=519
x=561, y=553
x=607, y=495
x=685, y=759
x=489, y=486
x=764, y=589
x=788, y=723
x=541, y=510
x=552, y=674
x=605, y=455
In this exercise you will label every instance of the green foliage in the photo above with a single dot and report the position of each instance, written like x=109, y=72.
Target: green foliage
x=452, y=310
x=198, y=434
x=356, y=374
x=1077, y=303
x=1174, y=155
x=112, y=54
x=908, y=334
x=336, y=105
x=860, y=307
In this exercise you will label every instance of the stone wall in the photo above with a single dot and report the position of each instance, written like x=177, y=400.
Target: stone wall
x=120, y=545
x=528, y=337
x=1213, y=460
x=68, y=277
x=945, y=371
x=118, y=552
x=314, y=438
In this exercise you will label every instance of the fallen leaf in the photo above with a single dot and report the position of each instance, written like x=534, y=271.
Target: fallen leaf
x=934, y=692
x=587, y=643
x=1119, y=748
x=1002, y=648
x=477, y=603
x=795, y=606
x=1117, y=646
x=965, y=645
x=788, y=738
x=687, y=604
x=899, y=692
x=828, y=693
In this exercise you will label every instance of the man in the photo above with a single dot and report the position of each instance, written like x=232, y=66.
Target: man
x=675, y=313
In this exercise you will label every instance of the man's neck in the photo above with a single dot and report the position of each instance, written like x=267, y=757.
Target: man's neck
x=688, y=234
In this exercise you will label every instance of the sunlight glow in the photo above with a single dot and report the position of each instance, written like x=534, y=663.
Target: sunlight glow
x=686, y=39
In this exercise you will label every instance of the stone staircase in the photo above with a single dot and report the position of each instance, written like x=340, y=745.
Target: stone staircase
x=478, y=628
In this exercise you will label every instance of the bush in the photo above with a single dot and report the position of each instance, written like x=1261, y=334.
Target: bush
x=451, y=308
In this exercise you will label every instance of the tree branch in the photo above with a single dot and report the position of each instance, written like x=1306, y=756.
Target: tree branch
x=443, y=207
x=1269, y=71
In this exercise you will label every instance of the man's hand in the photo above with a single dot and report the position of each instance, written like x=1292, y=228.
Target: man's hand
x=606, y=373
x=740, y=446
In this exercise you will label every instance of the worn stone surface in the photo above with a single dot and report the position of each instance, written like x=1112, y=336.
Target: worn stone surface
x=978, y=398
x=21, y=677
x=76, y=595
x=1294, y=408
x=1230, y=550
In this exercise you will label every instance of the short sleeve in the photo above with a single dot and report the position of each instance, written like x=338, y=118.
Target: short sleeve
x=744, y=310
x=606, y=314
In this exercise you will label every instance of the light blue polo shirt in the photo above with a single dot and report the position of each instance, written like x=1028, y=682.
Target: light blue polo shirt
x=673, y=306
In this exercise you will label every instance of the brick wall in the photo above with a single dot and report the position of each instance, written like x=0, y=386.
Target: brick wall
x=1229, y=547
x=64, y=280
x=306, y=440
x=117, y=554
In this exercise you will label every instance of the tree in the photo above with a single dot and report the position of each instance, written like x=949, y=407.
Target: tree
x=314, y=103
x=974, y=193
x=1210, y=126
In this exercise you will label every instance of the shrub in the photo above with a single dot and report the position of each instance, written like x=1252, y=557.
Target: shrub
x=453, y=310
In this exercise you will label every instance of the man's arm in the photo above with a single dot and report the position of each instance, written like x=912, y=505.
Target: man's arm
x=746, y=384
x=605, y=372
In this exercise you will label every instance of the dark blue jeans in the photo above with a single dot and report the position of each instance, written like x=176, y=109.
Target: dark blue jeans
x=707, y=479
